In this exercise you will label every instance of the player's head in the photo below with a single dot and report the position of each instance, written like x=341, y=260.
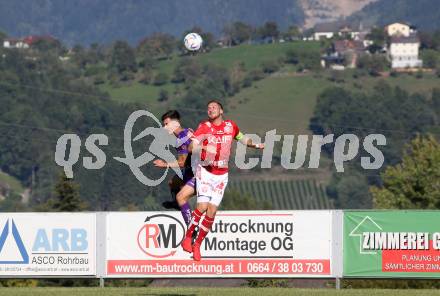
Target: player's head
x=171, y=120
x=215, y=109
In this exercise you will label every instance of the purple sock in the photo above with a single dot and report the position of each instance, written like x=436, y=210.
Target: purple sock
x=186, y=213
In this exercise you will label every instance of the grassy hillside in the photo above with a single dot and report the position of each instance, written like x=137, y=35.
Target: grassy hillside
x=250, y=55
x=282, y=103
x=284, y=100
x=13, y=183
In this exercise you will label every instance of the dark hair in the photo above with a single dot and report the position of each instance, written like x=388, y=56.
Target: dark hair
x=171, y=114
x=217, y=102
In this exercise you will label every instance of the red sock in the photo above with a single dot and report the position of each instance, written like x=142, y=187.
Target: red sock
x=195, y=218
x=204, y=229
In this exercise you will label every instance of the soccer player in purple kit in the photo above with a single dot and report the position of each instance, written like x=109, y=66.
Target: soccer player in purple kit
x=181, y=190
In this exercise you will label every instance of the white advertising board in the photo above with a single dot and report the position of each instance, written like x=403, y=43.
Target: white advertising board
x=47, y=244
x=240, y=244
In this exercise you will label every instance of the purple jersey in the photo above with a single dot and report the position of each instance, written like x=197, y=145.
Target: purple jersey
x=183, y=141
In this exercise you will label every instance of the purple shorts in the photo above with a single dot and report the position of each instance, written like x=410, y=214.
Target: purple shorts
x=188, y=178
x=191, y=182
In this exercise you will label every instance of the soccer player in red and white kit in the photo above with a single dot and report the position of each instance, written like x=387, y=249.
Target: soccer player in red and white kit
x=213, y=138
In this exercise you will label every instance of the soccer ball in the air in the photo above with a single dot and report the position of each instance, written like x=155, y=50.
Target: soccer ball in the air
x=193, y=41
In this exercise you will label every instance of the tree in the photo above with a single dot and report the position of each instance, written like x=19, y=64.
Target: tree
x=374, y=48
x=292, y=33
x=3, y=36
x=47, y=45
x=378, y=36
x=188, y=69
x=208, y=41
x=83, y=57
x=12, y=202
x=163, y=95
x=305, y=59
x=425, y=40
x=161, y=79
x=350, y=190
x=373, y=64
x=159, y=45
x=238, y=32
x=256, y=74
x=237, y=75
x=269, y=30
x=216, y=80
x=436, y=40
x=415, y=182
x=430, y=40
x=67, y=198
x=292, y=56
x=270, y=66
x=79, y=57
x=339, y=111
x=336, y=76
x=430, y=58
x=435, y=99
x=123, y=58
x=147, y=76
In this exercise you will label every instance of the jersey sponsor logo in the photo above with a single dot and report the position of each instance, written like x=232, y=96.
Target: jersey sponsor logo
x=219, y=139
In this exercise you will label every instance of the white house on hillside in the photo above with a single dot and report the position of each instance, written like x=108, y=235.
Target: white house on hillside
x=324, y=31
x=401, y=29
x=27, y=41
x=329, y=30
x=14, y=43
x=404, y=51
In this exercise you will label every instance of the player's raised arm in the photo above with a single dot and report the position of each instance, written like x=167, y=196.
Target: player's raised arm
x=248, y=141
x=180, y=163
x=244, y=139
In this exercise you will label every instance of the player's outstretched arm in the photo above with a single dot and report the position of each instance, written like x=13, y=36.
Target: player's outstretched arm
x=248, y=142
x=180, y=163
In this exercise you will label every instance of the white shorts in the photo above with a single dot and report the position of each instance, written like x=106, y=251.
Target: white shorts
x=210, y=187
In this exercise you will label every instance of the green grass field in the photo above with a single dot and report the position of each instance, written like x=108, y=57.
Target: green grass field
x=210, y=291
